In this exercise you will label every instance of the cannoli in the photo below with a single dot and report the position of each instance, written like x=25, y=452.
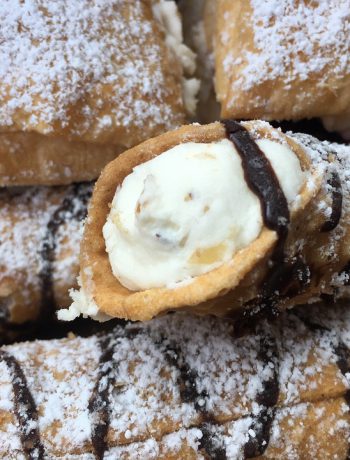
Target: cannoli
x=40, y=231
x=281, y=61
x=83, y=80
x=215, y=218
x=182, y=386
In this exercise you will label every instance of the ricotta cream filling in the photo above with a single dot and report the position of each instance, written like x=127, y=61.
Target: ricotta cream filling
x=188, y=211
x=167, y=14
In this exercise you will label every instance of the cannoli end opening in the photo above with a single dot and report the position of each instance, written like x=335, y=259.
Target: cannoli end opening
x=97, y=278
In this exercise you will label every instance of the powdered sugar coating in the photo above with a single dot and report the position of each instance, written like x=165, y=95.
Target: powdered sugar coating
x=25, y=215
x=294, y=40
x=83, y=67
x=148, y=411
x=62, y=404
x=328, y=158
x=9, y=439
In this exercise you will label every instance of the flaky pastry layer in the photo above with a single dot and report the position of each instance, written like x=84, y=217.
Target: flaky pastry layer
x=183, y=387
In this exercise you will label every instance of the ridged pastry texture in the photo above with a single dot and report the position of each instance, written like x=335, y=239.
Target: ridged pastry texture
x=183, y=387
x=285, y=60
x=40, y=231
x=81, y=81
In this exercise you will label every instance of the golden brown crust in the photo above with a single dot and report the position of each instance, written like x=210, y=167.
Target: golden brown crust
x=183, y=384
x=35, y=159
x=264, y=69
x=98, y=102
x=114, y=299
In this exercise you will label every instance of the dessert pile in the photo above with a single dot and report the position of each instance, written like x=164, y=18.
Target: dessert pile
x=174, y=229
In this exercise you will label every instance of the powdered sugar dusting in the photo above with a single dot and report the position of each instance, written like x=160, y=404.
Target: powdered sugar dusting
x=229, y=391
x=293, y=40
x=9, y=437
x=148, y=415
x=328, y=158
x=286, y=44
x=24, y=218
x=84, y=66
x=61, y=407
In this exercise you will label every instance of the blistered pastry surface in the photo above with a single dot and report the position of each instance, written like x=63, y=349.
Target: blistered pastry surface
x=87, y=69
x=40, y=230
x=288, y=38
x=282, y=61
x=187, y=381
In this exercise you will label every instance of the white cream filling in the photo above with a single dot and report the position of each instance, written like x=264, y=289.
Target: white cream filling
x=188, y=211
x=83, y=304
x=167, y=14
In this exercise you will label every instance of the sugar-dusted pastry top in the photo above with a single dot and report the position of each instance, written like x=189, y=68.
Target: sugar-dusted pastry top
x=188, y=211
x=40, y=232
x=183, y=382
x=89, y=70
x=282, y=59
x=287, y=37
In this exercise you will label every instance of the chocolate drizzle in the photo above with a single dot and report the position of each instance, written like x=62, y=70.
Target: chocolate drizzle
x=345, y=271
x=309, y=324
x=67, y=209
x=187, y=380
x=99, y=402
x=343, y=362
x=25, y=410
x=263, y=182
x=267, y=398
x=337, y=203
x=212, y=443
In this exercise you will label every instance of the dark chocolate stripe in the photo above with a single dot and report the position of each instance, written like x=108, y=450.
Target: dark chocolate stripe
x=283, y=280
x=343, y=362
x=343, y=354
x=99, y=403
x=263, y=182
x=25, y=410
x=346, y=272
x=99, y=409
x=337, y=203
x=267, y=398
x=212, y=443
x=47, y=253
x=4, y=309
x=309, y=324
x=187, y=380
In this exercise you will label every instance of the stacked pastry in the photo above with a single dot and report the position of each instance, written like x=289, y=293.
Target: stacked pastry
x=40, y=231
x=95, y=78
x=80, y=81
x=182, y=387
x=284, y=61
x=237, y=223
